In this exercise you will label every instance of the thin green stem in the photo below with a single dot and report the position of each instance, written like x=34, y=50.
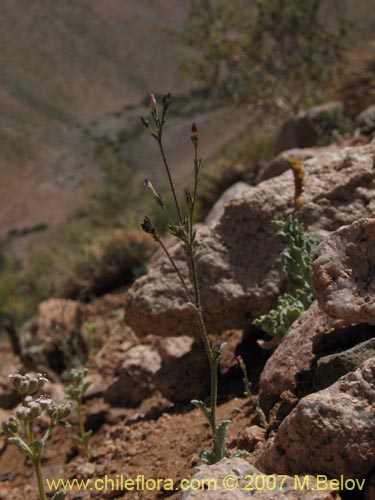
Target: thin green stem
x=81, y=426
x=176, y=269
x=39, y=477
x=161, y=147
x=29, y=432
x=207, y=346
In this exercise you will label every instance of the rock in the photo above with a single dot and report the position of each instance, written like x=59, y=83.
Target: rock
x=316, y=126
x=58, y=313
x=330, y=368
x=97, y=387
x=9, y=398
x=150, y=409
x=330, y=432
x=177, y=367
x=290, y=366
x=250, y=437
x=238, y=256
x=234, y=191
x=96, y=415
x=85, y=470
x=184, y=374
x=135, y=380
x=279, y=165
x=55, y=390
x=365, y=121
x=243, y=481
x=172, y=348
x=342, y=273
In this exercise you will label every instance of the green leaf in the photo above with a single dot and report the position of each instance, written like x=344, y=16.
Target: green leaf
x=240, y=454
x=22, y=446
x=202, y=407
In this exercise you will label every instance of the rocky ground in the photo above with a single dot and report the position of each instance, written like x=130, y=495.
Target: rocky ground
x=317, y=388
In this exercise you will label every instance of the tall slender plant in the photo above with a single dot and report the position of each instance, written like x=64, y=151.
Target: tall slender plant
x=181, y=225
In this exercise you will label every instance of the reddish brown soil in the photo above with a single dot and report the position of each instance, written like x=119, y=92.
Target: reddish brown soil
x=166, y=447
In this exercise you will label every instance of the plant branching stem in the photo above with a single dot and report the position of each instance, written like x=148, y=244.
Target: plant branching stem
x=39, y=477
x=161, y=147
x=183, y=282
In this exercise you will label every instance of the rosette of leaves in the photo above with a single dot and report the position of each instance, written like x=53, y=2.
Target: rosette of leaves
x=20, y=427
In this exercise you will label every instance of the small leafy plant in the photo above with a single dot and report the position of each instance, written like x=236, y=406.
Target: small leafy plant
x=248, y=392
x=75, y=392
x=20, y=427
x=181, y=226
x=297, y=259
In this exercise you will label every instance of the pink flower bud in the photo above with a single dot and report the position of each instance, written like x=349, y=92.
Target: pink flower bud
x=152, y=102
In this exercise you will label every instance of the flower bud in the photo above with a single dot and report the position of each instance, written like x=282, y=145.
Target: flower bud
x=189, y=199
x=148, y=228
x=44, y=401
x=35, y=409
x=194, y=134
x=166, y=101
x=153, y=102
x=10, y=426
x=23, y=413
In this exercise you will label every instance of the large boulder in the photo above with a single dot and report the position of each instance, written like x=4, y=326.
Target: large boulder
x=317, y=126
x=333, y=366
x=290, y=368
x=342, y=273
x=330, y=432
x=238, y=253
x=175, y=367
x=236, y=479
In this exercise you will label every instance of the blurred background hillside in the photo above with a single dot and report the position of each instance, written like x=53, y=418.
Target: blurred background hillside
x=75, y=78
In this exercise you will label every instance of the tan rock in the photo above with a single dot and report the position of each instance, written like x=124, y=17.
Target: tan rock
x=238, y=254
x=342, y=273
x=58, y=312
x=290, y=366
x=236, y=479
x=330, y=432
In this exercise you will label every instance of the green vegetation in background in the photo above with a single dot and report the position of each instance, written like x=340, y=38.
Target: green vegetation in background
x=236, y=158
x=277, y=55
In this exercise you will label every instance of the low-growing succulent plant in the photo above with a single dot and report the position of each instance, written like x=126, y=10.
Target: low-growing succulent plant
x=75, y=392
x=20, y=427
x=181, y=225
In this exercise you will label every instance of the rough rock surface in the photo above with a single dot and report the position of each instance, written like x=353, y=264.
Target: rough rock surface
x=238, y=255
x=135, y=380
x=330, y=432
x=184, y=374
x=58, y=313
x=176, y=367
x=342, y=273
x=279, y=165
x=234, y=191
x=290, y=366
x=251, y=484
x=330, y=368
x=366, y=121
x=314, y=127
